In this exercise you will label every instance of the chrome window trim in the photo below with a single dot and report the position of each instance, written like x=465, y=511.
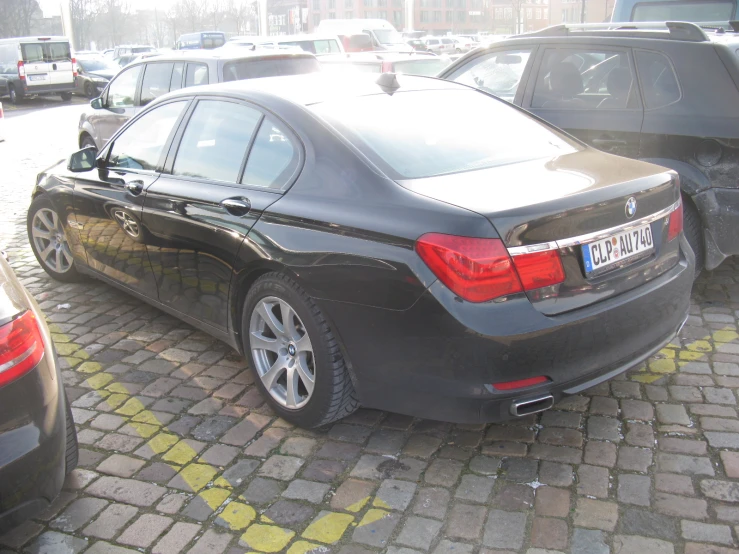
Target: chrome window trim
x=592, y=237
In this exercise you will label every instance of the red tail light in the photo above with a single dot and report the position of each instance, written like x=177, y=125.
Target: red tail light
x=676, y=223
x=74, y=67
x=387, y=67
x=21, y=71
x=21, y=347
x=479, y=270
x=523, y=383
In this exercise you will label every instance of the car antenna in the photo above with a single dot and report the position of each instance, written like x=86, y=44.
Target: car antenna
x=388, y=82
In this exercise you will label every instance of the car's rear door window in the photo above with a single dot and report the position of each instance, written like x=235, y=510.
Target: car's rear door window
x=270, y=67
x=585, y=79
x=215, y=142
x=197, y=74
x=33, y=52
x=410, y=137
x=498, y=72
x=122, y=89
x=274, y=158
x=157, y=79
x=58, y=52
x=658, y=80
x=176, y=82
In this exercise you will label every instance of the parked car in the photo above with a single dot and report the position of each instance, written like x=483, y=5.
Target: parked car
x=130, y=49
x=143, y=81
x=417, y=44
x=356, y=42
x=412, y=63
x=93, y=75
x=2, y=123
x=315, y=44
x=697, y=11
x=664, y=93
x=31, y=66
x=124, y=61
x=382, y=34
x=305, y=220
x=463, y=45
x=38, y=442
x=109, y=53
x=439, y=45
x=206, y=40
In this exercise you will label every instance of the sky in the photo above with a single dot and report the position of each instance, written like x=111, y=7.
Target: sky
x=52, y=7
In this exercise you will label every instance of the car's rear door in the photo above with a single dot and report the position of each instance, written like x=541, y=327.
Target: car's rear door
x=119, y=104
x=590, y=91
x=201, y=210
x=59, y=62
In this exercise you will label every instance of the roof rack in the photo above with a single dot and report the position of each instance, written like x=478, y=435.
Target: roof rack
x=671, y=30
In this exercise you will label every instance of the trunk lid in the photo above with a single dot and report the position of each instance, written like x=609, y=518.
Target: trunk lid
x=564, y=202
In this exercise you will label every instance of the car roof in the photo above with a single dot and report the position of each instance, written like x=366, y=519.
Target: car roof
x=315, y=88
x=377, y=56
x=226, y=55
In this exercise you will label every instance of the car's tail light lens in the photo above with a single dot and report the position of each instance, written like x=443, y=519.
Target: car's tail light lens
x=21, y=347
x=74, y=67
x=21, y=71
x=479, y=270
x=539, y=269
x=475, y=269
x=387, y=67
x=521, y=384
x=676, y=223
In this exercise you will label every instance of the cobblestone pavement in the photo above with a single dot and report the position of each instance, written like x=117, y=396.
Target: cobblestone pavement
x=180, y=454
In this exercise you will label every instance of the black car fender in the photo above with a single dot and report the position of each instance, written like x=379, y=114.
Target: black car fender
x=692, y=179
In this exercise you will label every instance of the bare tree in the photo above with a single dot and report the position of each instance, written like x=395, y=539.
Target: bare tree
x=83, y=14
x=15, y=17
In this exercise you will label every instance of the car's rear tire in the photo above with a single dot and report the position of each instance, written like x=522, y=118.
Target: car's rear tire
x=49, y=242
x=71, y=456
x=86, y=141
x=66, y=96
x=14, y=99
x=693, y=230
x=299, y=367
x=90, y=90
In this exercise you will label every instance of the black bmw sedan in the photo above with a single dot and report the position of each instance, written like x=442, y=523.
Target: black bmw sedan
x=402, y=243
x=38, y=443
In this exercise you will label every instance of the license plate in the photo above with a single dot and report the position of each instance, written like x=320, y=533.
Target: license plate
x=617, y=248
x=37, y=77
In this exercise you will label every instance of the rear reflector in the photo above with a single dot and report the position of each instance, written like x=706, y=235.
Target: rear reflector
x=21, y=71
x=479, y=270
x=476, y=269
x=521, y=384
x=676, y=222
x=21, y=347
x=74, y=67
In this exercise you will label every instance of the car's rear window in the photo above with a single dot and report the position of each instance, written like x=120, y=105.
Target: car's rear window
x=270, y=67
x=409, y=137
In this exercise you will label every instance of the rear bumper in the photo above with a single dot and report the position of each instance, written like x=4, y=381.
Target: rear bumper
x=438, y=359
x=30, y=90
x=33, y=446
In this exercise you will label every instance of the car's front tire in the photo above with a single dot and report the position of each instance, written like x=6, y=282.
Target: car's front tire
x=71, y=455
x=66, y=96
x=49, y=241
x=90, y=90
x=86, y=141
x=298, y=365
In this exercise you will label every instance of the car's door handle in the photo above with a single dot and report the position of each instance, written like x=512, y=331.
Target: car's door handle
x=608, y=143
x=237, y=206
x=135, y=187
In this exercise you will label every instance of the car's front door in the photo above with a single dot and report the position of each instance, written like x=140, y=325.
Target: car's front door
x=200, y=212
x=118, y=105
x=590, y=92
x=108, y=201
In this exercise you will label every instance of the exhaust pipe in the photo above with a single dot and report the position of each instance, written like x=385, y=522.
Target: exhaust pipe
x=520, y=408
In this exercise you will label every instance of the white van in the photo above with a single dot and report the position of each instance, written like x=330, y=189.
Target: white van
x=37, y=65
x=383, y=34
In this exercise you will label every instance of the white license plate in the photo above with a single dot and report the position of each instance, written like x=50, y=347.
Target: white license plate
x=617, y=248
x=37, y=77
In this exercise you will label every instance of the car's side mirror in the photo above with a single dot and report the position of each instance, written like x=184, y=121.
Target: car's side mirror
x=96, y=103
x=83, y=160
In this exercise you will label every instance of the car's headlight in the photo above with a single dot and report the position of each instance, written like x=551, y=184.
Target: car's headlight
x=98, y=80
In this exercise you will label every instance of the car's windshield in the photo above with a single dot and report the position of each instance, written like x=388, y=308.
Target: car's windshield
x=399, y=133
x=695, y=10
x=388, y=36
x=96, y=65
x=269, y=67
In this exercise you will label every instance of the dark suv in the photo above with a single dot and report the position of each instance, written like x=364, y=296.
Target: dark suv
x=666, y=93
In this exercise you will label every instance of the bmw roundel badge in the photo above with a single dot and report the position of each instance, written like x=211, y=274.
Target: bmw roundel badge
x=631, y=207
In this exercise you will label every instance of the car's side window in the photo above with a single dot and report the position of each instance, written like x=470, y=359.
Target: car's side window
x=122, y=89
x=584, y=79
x=197, y=74
x=141, y=145
x=215, y=141
x=157, y=77
x=273, y=159
x=658, y=80
x=176, y=81
x=498, y=73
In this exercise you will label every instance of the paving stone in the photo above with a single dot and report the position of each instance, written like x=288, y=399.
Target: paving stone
x=474, y=488
x=705, y=532
x=504, y=530
x=110, y=521
x=120, y=466
x=647, y=523
x=514, y=497
x=78, y=514
x=20, y=534
x=262, y=491
x=177, y=538
x=509, y=433
x=465, y=522
x=486, y=465
x=624, y=544
x=172, y=503
x=553, y=418
x=720, y=490
x=376, y=527
x=394, y=494
x=574, y=403
x=213, y=427
x=449, y=547
x=672, y=413
x=269, y=440
x=324, y=471
x=349, y=433
x=219, y=455
x=694, y=548
x=211, y=543
x=639, y=434
x=309, y=491
x=592, y=481
x=237, y=473
x=596, y=514
x=549, y=533
x=107, y=422
x=386, y=441
x=677, y=484
x=505, y=448
x=145, y=530
x=691, y=465
x=719, y=396
x=557, y=475
x=552, y=502
x=128, y=491
x=722, y=440
x=563, y=454
x=443, y=472
x=680, y=506
x=634, y=489
x=245, y=431
x=52, y=542
x=289, y=513
x=586, y=541
x=421, y=446
x=519, y=470
x=352, y=495
x=279, y=467
x=561, y=437
x=338, y=451
x=418, y=532
x=637, y=409
x=634, y=459
x=683, y=446
x=602, y=405
x=431, y=502
x=603, y=428
x=157, y=472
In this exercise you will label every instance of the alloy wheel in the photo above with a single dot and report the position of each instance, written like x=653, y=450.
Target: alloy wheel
x=127, y=223
x=282, y=352
x=50, y=241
